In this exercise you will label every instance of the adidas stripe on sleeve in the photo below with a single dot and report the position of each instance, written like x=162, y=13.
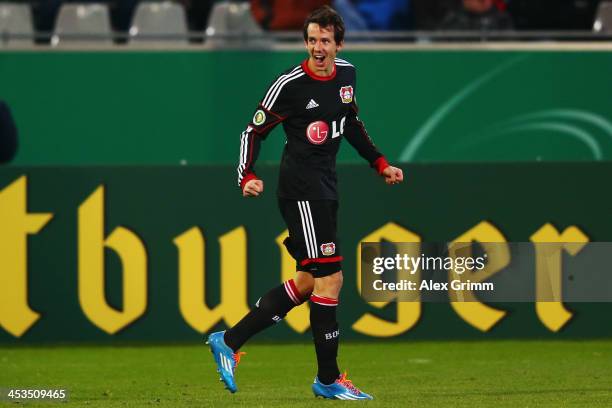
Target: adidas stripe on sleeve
x=272, y=110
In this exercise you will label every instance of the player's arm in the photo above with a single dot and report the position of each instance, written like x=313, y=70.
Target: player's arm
x=271, y=111
x=357, y=135
x=250, y=185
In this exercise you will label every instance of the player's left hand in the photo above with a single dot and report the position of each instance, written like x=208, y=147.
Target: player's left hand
x=393, y=175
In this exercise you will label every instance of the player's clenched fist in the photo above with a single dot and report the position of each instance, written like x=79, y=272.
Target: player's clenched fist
x=253, y=188
x=393, y=175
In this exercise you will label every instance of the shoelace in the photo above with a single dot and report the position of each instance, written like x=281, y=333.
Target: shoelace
x=237, y=356
x=348, y=384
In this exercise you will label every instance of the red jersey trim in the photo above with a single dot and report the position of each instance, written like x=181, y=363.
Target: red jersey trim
x=260, y=106
x=380, y=164
x=275, y=122
x=320, y=260
x=314, y=76
x=246, y=179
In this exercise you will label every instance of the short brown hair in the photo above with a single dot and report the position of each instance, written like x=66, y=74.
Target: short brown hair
x=326, y=16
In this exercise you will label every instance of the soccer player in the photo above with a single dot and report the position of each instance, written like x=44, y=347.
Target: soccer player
x=315, y=102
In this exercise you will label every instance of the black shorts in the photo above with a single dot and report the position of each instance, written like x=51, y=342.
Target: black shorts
x=312, y=240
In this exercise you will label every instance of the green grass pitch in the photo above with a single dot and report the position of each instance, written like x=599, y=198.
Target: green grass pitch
x=406, y=374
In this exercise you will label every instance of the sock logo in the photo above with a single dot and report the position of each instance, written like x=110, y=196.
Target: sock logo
x=277, y=318
x=332, y=335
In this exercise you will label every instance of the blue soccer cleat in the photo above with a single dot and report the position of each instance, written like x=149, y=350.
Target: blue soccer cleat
x=225, y=358
x=342, y=389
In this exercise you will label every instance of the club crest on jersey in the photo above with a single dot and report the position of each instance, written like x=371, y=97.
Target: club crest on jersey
x=259, y=118
x=346, y=94
x=328, y=249
x=317, y=132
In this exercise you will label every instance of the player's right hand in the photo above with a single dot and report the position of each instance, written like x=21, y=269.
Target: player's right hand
x=253, y=188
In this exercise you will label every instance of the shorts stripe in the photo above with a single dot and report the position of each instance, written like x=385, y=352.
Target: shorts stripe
x=315, y=249
x=306, y=230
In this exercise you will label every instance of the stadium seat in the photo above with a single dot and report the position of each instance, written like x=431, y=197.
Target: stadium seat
x=79, y=23
x=603, y=18
x=16, y=24
x=159, y=22
x=231, y=24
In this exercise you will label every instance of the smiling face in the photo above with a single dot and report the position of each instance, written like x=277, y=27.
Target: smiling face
x=322, y=49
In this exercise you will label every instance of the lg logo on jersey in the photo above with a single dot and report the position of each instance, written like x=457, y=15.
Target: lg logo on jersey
x=318, y=131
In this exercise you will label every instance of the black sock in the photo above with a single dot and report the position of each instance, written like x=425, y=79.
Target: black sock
x=269, y=309
x=326, y=336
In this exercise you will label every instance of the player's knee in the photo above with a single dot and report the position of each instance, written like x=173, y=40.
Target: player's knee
x=306, y=289
x=337, y=279
x=304, y=283
x=329, y=285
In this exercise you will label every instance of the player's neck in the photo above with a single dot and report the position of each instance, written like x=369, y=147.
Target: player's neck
x=324, y=75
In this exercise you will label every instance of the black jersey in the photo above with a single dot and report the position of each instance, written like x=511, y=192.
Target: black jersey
x=316, y=113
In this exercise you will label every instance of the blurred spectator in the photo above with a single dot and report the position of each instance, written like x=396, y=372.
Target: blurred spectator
x=284, y=14
x=121, y=14
x=44, y=13
x=8, y=134
x=478, y=15
x=198, y=12
x=385, y=15
x=553, y=14
x=427, y=14
x=353, y=21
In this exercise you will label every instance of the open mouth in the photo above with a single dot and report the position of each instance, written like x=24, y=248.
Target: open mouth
x=319, y=59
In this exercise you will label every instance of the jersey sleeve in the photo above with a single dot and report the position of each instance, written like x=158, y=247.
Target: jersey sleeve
x=273, y=108
x=357, y=135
